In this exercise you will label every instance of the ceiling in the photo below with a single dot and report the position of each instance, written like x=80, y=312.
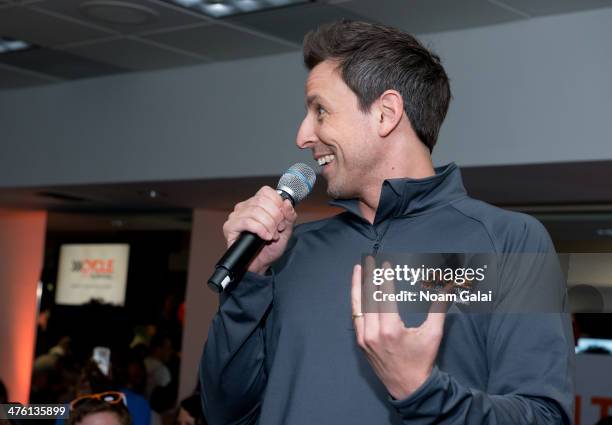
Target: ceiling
x=71, y=45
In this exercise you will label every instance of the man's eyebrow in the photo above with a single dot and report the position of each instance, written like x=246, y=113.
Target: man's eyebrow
x=311, y=99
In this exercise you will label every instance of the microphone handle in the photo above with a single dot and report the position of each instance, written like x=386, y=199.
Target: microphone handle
x=234, y=263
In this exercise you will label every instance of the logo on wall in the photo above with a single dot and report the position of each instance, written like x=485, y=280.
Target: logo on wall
x=94, y=267
x=92, y=271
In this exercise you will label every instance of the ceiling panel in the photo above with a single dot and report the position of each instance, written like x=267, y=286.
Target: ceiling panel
x=134, y=55
x=219, y=42
x=10, y=78
x=292, y=23
x=39, y=28
x=58, y=64
x=163, y=16
x=425, y=16
x=551, y=7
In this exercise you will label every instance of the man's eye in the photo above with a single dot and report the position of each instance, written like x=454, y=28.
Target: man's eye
x=320, y=110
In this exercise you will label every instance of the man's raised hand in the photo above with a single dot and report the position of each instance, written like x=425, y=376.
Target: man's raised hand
x=401, y=357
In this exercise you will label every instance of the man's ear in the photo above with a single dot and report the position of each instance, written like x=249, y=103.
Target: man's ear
x=389, y=111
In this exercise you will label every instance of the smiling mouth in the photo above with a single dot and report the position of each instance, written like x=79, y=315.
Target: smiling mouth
x=324, y=160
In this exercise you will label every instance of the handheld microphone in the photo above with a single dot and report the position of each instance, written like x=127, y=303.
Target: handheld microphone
x=295, y=184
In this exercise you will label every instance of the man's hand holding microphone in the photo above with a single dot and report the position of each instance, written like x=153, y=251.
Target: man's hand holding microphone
x=257, y=230
x=267, y=215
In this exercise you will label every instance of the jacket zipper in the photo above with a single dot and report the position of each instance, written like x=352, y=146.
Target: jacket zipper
x=380, y=237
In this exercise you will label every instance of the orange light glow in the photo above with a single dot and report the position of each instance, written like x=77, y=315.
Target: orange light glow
x=22, y=235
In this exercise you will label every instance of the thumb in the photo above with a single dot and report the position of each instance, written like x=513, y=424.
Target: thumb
x=436, y=317
x=289, y=211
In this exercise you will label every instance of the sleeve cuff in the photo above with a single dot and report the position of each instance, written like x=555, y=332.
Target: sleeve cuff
x=253, y=288
x=431, y=385
x=247, y=299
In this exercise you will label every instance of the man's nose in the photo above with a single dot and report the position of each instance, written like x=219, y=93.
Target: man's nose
x=306, y=136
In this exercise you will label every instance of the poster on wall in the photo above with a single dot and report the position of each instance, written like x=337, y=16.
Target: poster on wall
x=92, y=271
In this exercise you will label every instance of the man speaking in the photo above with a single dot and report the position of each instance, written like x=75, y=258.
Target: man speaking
x=291, y=344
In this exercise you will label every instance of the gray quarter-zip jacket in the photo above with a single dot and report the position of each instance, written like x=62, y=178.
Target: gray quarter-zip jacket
x=282, y=349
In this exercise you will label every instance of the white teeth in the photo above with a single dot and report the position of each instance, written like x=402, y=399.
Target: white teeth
x=326, y=159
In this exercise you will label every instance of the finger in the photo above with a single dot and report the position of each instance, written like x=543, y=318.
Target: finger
x=368, y=288
x=289, y=215
x=358, y=322
x=259, y=214
x=371, y=316
x=252, y=225
x=260, y=201
x=275, y=210
x=271, y=194
x=436, y=316
x=272, y=205
x=289, y=211
x=390, y=318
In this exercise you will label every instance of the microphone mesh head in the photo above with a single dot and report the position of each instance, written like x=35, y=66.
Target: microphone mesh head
x=297, y=181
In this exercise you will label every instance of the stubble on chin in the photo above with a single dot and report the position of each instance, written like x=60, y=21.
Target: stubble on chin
x=333, y=190
x=339, y=190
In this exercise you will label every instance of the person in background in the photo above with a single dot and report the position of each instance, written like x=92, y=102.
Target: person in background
x=4, y=399
x=49, y=360
x=3, y=393
x=95, y=411
x=49, y=372
x=190, y=411
x=161, y=389
x=93, y=382
x=42, y=330
x=136, y=374
x=168, y=322
x=160, y=353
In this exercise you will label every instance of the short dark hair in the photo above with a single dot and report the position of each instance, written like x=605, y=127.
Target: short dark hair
x=374, y=58
x=92, y=406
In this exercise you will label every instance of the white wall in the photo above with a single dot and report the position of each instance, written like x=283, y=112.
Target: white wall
x=201, y=304
x=532, y=91
x=228, y=119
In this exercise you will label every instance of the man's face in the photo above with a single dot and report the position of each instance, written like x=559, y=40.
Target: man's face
x=100, y=418
x=339, y=134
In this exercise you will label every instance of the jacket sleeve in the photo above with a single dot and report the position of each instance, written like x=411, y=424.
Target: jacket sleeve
x=232, y=370
x=529, y=350
x=530, y=380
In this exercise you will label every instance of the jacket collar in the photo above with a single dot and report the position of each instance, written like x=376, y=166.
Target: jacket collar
x=406, y=196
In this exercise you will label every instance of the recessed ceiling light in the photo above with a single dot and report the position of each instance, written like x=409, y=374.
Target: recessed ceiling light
x=118, y=12
x=225, y=8
x=152, y=193
x=8, y=44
